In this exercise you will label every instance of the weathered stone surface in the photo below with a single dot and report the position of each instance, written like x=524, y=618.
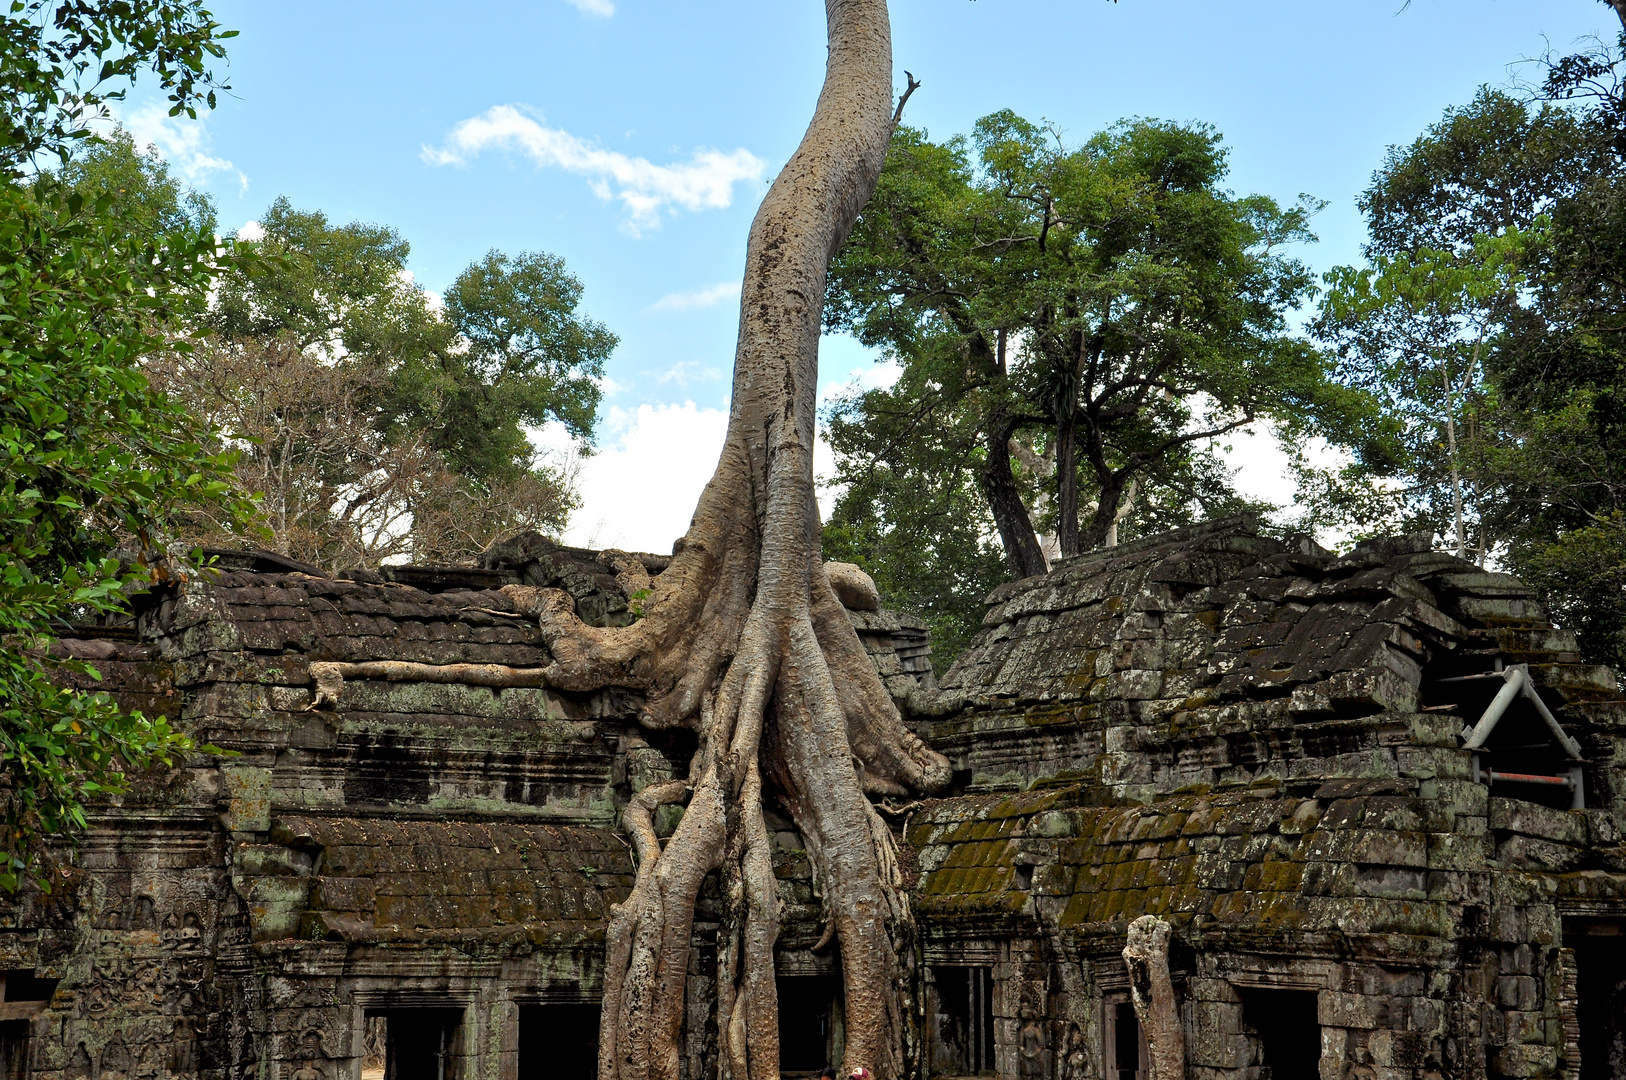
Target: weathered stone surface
x=1253, y=739
x=854, y=588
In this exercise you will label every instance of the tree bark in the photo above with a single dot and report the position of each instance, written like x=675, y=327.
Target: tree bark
x=1005, y=501
x=744, y=642
x=1065, y=407
x=1147, y=956
x=1067, y=476
x=1105, y=518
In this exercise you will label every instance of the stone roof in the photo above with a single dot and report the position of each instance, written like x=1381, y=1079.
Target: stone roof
x=1215, y=650
x=1351, y=858
x=372, y=879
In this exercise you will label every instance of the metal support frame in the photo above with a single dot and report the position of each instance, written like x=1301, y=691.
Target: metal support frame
x=1516, y=683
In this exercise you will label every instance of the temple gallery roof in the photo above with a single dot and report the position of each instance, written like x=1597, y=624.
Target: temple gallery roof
x=1213, y=649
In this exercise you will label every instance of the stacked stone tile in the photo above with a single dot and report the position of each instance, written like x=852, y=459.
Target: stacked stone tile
x=1254, y=739
x=1262, y=744
x=379, y=879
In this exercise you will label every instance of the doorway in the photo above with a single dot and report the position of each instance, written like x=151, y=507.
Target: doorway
x=558, y=1041
x=809, y=1023
x=1288, y=1030
x=964, y=1042
x=412, y=1044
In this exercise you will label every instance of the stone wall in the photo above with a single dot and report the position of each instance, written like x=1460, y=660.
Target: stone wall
x=1255, y=740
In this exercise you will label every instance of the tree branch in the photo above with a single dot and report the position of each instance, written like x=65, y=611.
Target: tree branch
x=914, y=84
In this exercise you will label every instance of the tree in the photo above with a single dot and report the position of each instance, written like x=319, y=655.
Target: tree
x=911, y=514
x=1086, y=321
x=1560, y=373
x=336, y=484
x=91, y=457
x=744, y=643
x=62, y=63
x=383, y=424
x=1412, y=331
x=1488, y=324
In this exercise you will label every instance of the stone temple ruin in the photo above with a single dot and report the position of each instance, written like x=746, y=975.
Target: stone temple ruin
x=1375, y=796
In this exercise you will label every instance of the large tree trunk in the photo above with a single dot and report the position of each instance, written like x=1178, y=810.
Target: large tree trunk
x=1105, y=517
x=1067, y=475
x=745, y=643
x=998, y=483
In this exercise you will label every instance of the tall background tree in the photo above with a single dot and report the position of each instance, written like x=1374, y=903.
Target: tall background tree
x=1075, y=328
x=370, y=421
x=91, y=456
x=389, y=424
x=1489, y=320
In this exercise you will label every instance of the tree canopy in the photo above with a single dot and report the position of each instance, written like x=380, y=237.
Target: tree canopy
x=1074, y=329
x=372, y=420
x=1487, y=323
x=97, y=469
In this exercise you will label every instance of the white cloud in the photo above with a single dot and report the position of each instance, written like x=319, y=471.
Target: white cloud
x=182, y=141
x=252, y=231
x=639, y=492
x=598, y=9
x=695, y=299
x=705, y=182
x=1262, y=469
x=685, y=372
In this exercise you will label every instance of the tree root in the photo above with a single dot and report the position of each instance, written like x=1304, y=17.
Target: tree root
x=743, y=641
x=1147, y=956
x=328, y=678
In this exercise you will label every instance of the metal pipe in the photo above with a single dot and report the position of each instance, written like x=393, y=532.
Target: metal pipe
x=1569, y=744
x=1475, y=738
x=1531, y=778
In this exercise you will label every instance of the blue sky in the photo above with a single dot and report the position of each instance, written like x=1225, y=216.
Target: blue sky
x=635, y=138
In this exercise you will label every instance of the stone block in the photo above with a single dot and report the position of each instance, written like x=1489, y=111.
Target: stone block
x=1525, y=852
x=256, y=860
x=342, y=894
x=1530, y=819
x=1522, y=992
x=1453, y=851
x=1523, y=1059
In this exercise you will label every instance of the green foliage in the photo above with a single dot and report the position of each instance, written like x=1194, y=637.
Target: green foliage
x=1411, y=331
x=1582, y=575
x=404, y=412
x=62, y=62
x=149, y=201
x=1489, y=324
x=912, y=515
x=1075, y=328
x=1495, y=164
x=530, y=358
x=91, y=457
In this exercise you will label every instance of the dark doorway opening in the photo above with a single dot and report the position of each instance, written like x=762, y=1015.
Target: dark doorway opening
x=1600, y=1000
x=1289, y=1032
x=1122, y=1044
x=417, y=1044
x=558, y=1041
x=964, y=1043
x=808, y=1022
x=14, y=1049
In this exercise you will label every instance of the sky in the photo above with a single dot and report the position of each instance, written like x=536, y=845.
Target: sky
x=635, y=138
